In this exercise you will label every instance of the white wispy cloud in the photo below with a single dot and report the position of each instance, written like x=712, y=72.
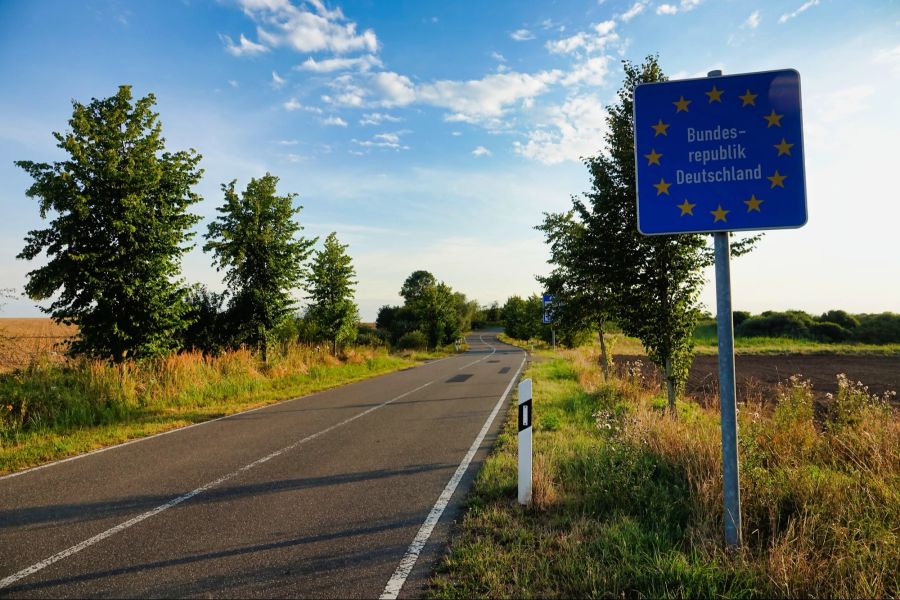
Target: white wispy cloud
x=283, y=23
x=803, y=8
x=636, y=9
x=521, y=35
x=889, y=57
x=244, y=47
x=329, y=65
x=486, y=98
x=386, y=140
x=277, y=80
x=498, y=57
x=294, y=104
x=576, y=128
x=377, y=118
x=590, y=72
x=481, y=151
x=592, y=41
x=394, y=89
x=233, y=83
x=752, y=21
x=287, y=142
x=336, y=121
x=683, y=6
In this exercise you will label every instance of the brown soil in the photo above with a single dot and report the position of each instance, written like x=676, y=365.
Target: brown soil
x=758, y=376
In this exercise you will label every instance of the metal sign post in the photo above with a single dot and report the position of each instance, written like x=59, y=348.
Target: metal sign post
x=717, y=155
x=526, y=418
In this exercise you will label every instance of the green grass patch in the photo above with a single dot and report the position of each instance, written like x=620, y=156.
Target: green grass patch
x=627, y=500
x=48, y=411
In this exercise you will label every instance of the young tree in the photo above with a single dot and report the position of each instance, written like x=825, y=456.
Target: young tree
x=255, y=241
x=330, y=288
x=652, y=282
x=118, y=232
x=581, y=297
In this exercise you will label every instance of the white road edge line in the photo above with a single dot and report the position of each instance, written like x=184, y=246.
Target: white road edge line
x=395, y=583
x=191, y=426
x=493, y=350
x=6, y=582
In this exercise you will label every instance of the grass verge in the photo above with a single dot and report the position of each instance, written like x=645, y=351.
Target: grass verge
x=627, y=501
x=48, y=411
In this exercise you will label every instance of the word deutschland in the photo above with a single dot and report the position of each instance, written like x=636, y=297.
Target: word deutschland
x=718, y=175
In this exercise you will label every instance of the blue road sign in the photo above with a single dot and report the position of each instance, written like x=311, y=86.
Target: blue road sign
x=547, y=301
x=720, y=154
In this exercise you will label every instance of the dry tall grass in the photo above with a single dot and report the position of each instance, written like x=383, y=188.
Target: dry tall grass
x=820, y=493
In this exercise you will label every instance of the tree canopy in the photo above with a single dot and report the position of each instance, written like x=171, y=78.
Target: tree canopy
x=256, y=241
x=120, y=222
x=332, y=278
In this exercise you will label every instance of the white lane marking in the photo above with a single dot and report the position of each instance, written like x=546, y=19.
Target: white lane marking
x=176, y=501
x=493, y=350
x=395, y=583
x=177, y=429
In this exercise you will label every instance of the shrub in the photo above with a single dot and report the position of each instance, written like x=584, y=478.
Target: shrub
x=739, y=316
x=829, y=332
x=794, y=324
x=414, y=340
x=369, y=336
x=841, y=317
x=882, y=328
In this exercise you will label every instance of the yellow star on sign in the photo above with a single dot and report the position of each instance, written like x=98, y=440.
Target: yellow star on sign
x=687, y=208
x=753, y=203
x=748, y=99
x=777, y=180
x=715, y=95
x=662, y=187
x=784, y=147
x=682, y=104
x=653, y=157
x=773, y=119
x=719, y=214
x=660, y=128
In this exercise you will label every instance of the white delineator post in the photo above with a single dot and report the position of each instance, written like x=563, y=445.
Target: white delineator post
x=526, y=417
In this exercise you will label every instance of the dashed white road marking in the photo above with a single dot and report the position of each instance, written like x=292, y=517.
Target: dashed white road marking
x=395, y=583
x=6, y=582
x=493, y=350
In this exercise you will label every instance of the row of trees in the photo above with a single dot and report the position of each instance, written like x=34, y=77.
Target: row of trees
x=121, y=224
x=604, y=270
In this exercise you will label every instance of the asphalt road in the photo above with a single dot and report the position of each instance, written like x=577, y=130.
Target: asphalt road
x=329, y=495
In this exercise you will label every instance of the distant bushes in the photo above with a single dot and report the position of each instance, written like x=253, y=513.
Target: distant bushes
x=831, y=327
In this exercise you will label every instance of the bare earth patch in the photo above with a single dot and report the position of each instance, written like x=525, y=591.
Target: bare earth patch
x=758, y=376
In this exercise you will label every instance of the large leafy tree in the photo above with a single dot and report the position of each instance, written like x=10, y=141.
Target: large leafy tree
x=332, y=310
x=434, y=306
x=119, y=205
x=256, y=241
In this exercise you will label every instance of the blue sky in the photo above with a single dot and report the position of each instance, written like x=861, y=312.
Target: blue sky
x=432, y=135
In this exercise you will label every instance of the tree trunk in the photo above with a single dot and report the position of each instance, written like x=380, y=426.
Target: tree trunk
x=604, y=357
x=670, y=386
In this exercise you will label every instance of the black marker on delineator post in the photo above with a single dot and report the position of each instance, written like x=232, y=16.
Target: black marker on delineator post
x=526, y=418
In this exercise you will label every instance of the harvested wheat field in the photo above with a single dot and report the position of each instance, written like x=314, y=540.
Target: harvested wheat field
x=21, y=340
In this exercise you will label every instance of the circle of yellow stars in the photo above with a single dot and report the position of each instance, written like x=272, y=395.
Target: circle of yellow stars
x=714, y=95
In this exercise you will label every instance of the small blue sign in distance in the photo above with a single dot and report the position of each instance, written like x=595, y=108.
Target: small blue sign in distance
x=720, y=154
x=547, y=301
